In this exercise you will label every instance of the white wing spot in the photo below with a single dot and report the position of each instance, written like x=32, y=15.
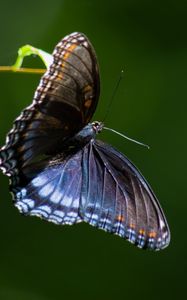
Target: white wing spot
x=66, y=201
x=39, y=181
x=85, y=44
x=56, y=196
x=75, y=203
x=72, y=214
x=29, y=202
x=46, y=208
x=59, y=213
x=46, y=190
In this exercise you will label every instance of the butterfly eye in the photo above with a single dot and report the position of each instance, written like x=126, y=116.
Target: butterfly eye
x=97, y=126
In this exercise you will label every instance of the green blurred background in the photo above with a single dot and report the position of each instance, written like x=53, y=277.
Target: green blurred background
x=147, y=39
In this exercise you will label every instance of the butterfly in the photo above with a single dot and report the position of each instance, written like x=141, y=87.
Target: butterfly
x=60, y=172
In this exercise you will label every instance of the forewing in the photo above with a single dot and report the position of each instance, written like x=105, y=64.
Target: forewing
x=115, y=197
x=64, y=102
x=54, y=193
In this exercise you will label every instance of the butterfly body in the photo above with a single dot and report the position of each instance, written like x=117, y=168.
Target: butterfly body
x=60, y=172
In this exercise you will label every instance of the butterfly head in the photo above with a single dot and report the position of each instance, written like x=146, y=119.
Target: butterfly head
x=89, y=131
x=97, y=126
x=86, y=134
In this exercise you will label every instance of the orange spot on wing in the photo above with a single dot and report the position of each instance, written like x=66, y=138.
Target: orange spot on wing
x=152, y=234
x=120, y=218
x=88, y=103
x=67, y=53
x=87, y=88
x=69, y=50
x=142, y=232
x=132, y=226
x=59, y=76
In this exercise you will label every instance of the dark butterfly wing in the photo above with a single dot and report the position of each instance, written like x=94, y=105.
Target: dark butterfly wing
x=115, y=197
x=98, y=185
x=54, y=193
x=64, y=102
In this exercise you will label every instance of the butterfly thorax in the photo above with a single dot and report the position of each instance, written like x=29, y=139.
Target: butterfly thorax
x=78, y=141
x=84, y=136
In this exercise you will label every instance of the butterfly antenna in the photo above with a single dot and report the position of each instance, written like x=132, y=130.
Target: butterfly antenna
x=126, y=137
x=113, y=95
